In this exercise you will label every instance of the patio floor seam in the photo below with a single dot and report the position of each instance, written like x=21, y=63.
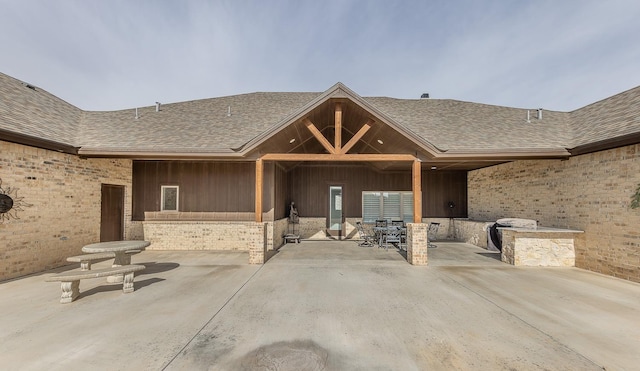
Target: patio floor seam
x=525, y=322
x=212, y=318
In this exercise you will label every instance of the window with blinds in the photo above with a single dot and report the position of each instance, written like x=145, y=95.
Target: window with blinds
x=387, y=205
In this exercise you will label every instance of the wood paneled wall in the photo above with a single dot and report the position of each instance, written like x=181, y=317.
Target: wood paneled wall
x=441, y=187
x=204, y=186
x=281, y=193
x=309, y=187
x=229, y=187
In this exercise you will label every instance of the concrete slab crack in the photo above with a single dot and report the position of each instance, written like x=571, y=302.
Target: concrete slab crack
x=497, y=305
x=212, y=318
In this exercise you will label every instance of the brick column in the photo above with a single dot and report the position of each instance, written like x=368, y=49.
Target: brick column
x=417, y=243
x=257, y=244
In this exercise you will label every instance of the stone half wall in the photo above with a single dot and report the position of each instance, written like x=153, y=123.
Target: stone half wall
x=64, y=192
x=279, y=230
x=204, y=235
x=315, y=228
x=591, y=192
x=463, y=230
x=208, y=230
x=312, y=228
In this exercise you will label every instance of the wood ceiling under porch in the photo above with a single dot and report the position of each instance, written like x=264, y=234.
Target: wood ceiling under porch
x=339, y=126
x=350, y=142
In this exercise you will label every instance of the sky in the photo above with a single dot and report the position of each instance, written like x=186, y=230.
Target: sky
x=110, y=55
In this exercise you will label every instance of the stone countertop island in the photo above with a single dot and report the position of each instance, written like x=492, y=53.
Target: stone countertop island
x=539, y=247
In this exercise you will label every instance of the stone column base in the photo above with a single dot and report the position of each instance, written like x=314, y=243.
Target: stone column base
x=258, y=244
x=417, y=243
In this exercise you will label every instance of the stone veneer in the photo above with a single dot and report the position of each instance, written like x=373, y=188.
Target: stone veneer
x=538, y=248
x=203, y=235
x=275, y=233
x=209, y=231
x=312, y=228
x=591, y=192
x=457, y=229
x=316, y=228
x=64, y=192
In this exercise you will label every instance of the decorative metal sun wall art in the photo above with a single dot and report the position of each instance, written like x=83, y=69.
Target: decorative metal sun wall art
x=10, y=203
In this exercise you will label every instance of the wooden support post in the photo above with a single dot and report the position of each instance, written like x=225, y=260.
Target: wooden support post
x=338, y=123
x=259, y=182
x=417, y=191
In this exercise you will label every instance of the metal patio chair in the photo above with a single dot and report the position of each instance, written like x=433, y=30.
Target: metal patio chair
x=381, y=223
x=402, y=226
x=367, y=238
x=392, y=236
x=397, y=223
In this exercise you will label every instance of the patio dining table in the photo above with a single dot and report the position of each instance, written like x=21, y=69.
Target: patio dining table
x=119, y=248
x=382, y=231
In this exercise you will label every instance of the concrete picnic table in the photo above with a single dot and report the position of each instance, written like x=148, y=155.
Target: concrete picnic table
x=119, y=248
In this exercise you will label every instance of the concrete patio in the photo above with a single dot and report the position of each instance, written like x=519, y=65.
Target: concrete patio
x=325, y=305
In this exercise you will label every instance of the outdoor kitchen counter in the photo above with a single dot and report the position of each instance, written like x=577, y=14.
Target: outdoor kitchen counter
x=540, y=230
x=540, y=247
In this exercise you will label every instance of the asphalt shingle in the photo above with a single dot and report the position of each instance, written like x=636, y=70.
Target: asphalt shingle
x=222, y=125
x=29, y=110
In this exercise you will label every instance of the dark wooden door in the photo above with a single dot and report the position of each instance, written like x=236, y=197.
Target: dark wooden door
x=112, y=213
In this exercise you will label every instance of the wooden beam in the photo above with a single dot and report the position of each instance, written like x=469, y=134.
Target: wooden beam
x=318, y=135
x=352, y=142
x=338, y=122
x=417, y=191
x=355, y=157
x=259, y=183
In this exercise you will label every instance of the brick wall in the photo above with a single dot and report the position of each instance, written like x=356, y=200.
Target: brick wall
x=203, y=235
x=312, y=228
x=417, y=244
x=278, y=230
x=65, y=193
x=591, y=192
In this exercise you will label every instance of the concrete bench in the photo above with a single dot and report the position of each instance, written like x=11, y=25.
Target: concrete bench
x=86, y=259
x=71, y=280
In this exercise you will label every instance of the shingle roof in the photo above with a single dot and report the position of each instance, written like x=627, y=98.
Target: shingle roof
x=29, y=110
x=609, y=118
x=205, y=125
x=199, y=125
x=456, y=126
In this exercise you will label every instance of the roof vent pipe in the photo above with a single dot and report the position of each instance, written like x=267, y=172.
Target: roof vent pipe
x=539, y=117
x=229, y=111
x=157, y=106
x=137, y=113
x=424, y=96
x=528, y=116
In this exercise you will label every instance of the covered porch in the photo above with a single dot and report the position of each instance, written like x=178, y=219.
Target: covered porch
x=325, y=158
